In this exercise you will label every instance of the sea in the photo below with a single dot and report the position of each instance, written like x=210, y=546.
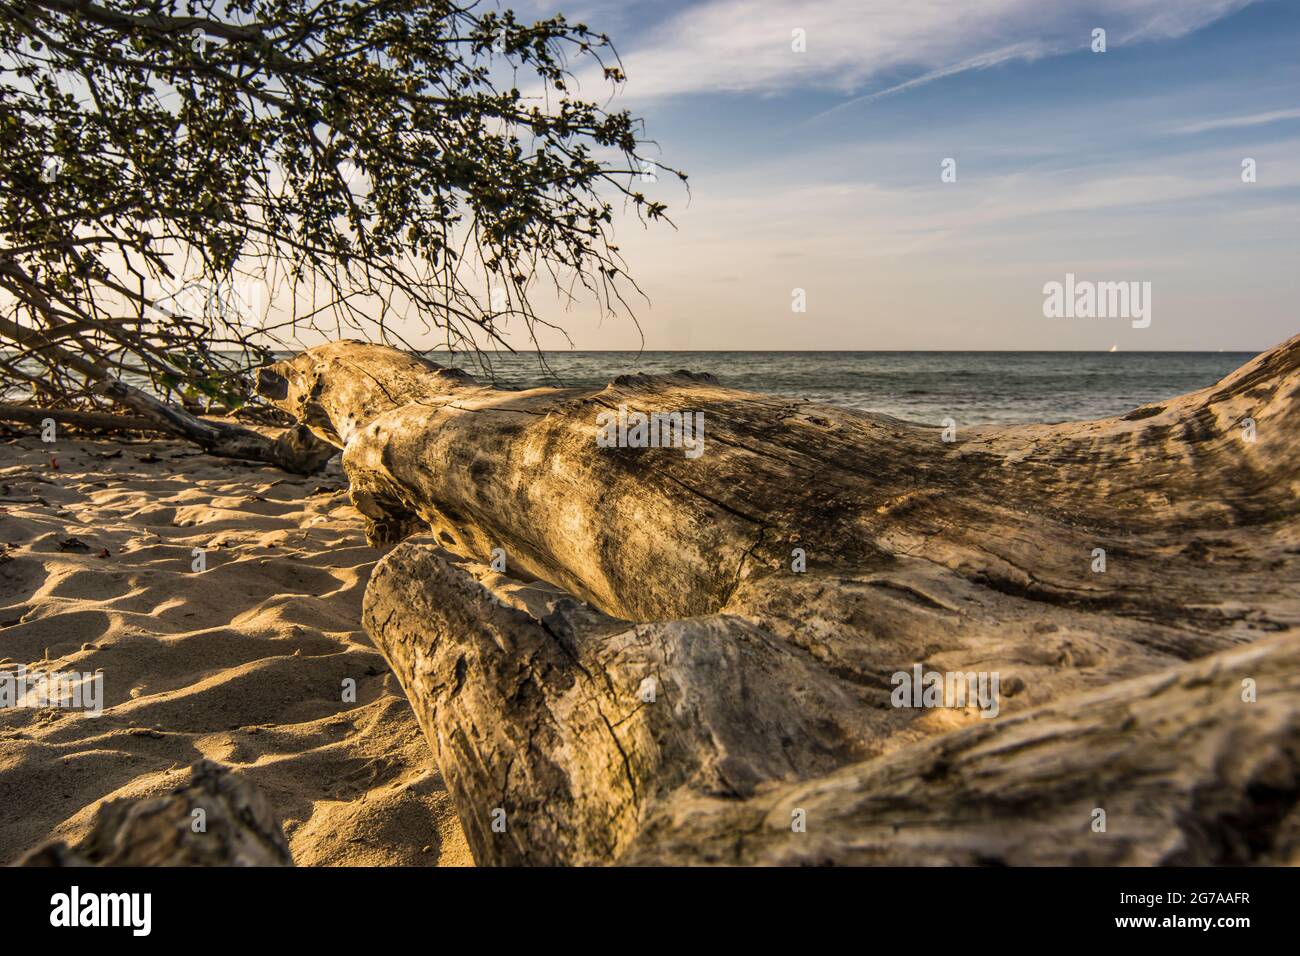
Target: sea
x=972, y=388
x=927, y=387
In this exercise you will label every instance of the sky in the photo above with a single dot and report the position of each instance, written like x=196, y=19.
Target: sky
x=822, y=170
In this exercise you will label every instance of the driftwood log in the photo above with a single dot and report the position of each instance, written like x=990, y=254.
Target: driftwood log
x=698, y=657
x=217, y=818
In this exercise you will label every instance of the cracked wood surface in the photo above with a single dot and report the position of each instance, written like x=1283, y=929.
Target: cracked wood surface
x=972, y=556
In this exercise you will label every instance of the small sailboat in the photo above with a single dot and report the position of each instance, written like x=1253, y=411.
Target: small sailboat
x=1115, y=347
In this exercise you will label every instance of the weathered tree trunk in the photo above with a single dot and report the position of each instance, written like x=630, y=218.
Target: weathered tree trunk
x=980, y=555
x=543, y=726
x=216, y=819
x=1170, y=769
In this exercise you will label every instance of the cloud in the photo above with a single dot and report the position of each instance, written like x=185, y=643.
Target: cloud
x=746, y=45
x=768, y=216
x=1236, y=122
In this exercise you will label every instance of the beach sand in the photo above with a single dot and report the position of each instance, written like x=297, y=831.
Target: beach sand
x=243, y=663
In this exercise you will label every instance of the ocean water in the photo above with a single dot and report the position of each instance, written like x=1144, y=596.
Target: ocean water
x=970, y=387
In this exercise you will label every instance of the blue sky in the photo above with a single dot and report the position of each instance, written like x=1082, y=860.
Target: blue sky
x=820, y=170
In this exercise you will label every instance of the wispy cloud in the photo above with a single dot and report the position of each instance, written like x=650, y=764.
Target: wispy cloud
x=746, y=45
x=756, y=218
x=1237, y=122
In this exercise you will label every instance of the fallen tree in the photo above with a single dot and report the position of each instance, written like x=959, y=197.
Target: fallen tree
x=694, y=637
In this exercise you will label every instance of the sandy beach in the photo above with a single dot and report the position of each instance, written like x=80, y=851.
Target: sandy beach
x=244, y=663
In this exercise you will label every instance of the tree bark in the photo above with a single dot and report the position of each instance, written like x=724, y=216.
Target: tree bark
x=1172, y=769
x=750, y=753
x=216, y=819
x=685, y=582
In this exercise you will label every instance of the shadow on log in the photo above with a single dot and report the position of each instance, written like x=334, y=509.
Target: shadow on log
x=727, y=636
x=216, y=819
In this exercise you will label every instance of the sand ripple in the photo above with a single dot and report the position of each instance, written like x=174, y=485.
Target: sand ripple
x=243, y=663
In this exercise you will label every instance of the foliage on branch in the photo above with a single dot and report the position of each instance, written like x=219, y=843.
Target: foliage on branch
x=377, y=158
